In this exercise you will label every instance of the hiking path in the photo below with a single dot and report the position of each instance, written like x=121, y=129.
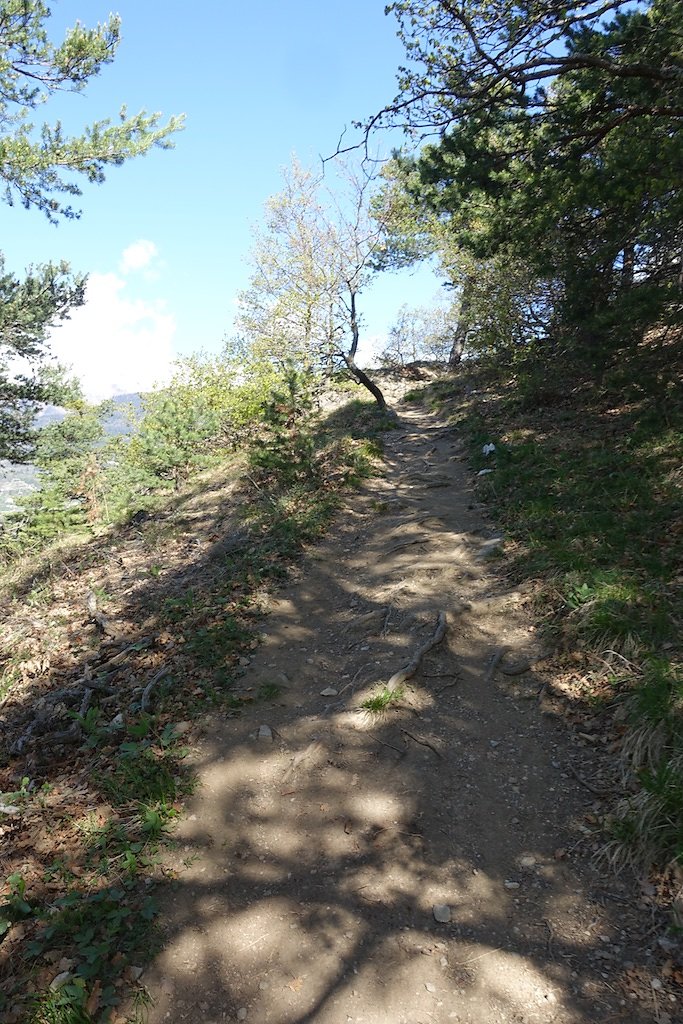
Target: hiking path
x=421, y=864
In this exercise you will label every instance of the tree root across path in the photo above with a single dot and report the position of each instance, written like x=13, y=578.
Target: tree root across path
x=409, y=670
x=496, y=664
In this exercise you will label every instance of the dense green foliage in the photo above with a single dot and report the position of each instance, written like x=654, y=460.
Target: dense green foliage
x=40, y=167
x=553, y=192
x=29, y=307
x=214, y=407
x=283, y=447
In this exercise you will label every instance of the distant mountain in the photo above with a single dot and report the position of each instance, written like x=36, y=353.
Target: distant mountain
x=18, y=481
x=120, y=421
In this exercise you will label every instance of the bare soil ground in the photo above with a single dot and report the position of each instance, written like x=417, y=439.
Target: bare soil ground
x=427, y=863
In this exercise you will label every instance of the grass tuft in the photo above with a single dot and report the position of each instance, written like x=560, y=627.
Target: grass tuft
x=383, y=699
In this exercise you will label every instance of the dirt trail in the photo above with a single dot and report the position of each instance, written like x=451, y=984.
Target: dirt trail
x=313, y=858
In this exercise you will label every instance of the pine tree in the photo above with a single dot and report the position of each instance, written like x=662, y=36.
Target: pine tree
x=41, y=167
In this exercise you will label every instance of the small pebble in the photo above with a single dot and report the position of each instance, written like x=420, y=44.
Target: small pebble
x=442, y=912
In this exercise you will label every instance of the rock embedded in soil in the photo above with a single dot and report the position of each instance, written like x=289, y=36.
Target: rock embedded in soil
x=442, y=913
x=265, y=732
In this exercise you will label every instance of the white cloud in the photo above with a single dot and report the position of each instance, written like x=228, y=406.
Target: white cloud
x=115, y=344
x=138, y=256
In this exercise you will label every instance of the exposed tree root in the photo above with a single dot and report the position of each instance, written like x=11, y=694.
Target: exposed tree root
x=496, y=665
x=406, y=544
x=409, y=670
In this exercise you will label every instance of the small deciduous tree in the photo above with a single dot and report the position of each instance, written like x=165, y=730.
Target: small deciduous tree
x=422, y=332
x=312, y=259
x=287, y=310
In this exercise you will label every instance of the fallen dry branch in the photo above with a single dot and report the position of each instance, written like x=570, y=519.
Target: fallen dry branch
x=101, y=685
x=134, y=648
x=100, y=620
x=43, y=724
x=409, y=670
x=74, y=734
x=587, y=785
x=85, y=703
x=147, y=692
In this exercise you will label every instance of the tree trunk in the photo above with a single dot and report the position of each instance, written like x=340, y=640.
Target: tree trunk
x=460, y=336
x=628, y=266
x=350, y=357
x=363, y=379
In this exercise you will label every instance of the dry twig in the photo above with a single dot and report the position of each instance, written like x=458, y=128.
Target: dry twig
x=147, y=692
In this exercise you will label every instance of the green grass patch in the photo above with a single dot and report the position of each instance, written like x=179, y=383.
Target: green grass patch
x=382, y=700
x=588, y=489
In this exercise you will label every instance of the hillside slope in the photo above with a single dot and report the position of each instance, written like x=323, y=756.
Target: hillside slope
x=353, y=849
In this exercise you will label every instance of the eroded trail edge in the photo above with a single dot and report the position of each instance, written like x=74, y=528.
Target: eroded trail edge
x=420, y=859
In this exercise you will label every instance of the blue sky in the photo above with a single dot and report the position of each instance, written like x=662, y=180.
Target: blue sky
x=166, y=238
